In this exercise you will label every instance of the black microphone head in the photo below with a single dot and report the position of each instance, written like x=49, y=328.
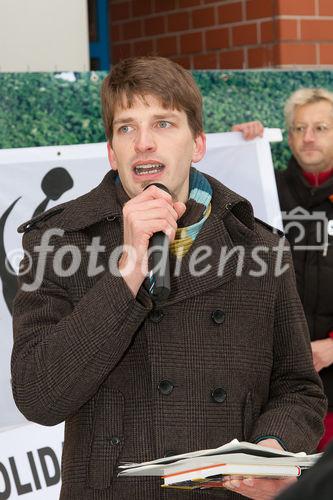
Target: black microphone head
x=159, y=185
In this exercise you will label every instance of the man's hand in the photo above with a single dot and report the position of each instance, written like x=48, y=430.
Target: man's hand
x=151, y=211
x=322, y=353
x=250, y=130
x=259, y=489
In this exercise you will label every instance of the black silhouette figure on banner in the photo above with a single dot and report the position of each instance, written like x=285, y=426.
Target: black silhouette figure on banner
x=54, y=184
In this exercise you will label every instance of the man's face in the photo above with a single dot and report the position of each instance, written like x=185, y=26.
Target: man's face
x=153, y=144
x=311, y=136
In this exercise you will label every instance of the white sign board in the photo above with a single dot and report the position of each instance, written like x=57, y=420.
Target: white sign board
x=35, y=179
x=246, y=167
x=30, y=459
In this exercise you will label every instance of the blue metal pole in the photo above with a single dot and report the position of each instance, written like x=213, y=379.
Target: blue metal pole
x=101, y=48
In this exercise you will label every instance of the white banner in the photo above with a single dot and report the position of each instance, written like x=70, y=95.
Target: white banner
x=34, y=180
x=30, y=458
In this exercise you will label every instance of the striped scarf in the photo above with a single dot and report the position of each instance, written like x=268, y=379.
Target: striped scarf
x=198, y=209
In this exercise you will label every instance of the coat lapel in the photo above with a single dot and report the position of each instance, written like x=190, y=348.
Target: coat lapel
x=215, y=255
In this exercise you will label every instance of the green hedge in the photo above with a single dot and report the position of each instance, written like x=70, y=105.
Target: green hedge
x=41, y=109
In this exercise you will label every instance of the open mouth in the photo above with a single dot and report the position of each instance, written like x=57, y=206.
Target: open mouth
x=148, y=168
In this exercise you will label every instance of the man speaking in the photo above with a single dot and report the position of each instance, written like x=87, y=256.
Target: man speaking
x=225, y=355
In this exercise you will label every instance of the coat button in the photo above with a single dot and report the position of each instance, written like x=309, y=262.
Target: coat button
x=156, y=315
x=165, y=387
x=218, y=394
x=218, y=316
x=115, y=440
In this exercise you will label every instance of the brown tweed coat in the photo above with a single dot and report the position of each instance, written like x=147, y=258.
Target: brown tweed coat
x=225, y=357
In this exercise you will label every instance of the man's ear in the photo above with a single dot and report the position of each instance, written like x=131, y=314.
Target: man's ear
x=199, y=147
x=112, y=157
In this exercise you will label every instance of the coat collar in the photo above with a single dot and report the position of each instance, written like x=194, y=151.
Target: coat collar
x=91, y=208
x=102, y=203
x=230, y=224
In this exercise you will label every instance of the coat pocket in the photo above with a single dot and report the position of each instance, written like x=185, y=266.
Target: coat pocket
x=107, y=438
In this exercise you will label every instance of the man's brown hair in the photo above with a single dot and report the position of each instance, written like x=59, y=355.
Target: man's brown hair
x=157, y=76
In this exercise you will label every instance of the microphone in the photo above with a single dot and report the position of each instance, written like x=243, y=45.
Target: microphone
x=159, y=276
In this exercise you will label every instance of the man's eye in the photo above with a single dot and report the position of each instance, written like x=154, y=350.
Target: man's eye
x=125, y=129
x=299, y=129
x=164, y=124
x=321, y=128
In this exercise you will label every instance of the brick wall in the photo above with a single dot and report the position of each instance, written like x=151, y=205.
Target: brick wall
x=226, y=34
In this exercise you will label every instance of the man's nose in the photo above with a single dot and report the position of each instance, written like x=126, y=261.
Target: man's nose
x=309, y=135
x=144, y=141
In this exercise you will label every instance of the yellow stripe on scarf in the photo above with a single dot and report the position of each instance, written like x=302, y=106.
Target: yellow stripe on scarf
x=182, y=242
